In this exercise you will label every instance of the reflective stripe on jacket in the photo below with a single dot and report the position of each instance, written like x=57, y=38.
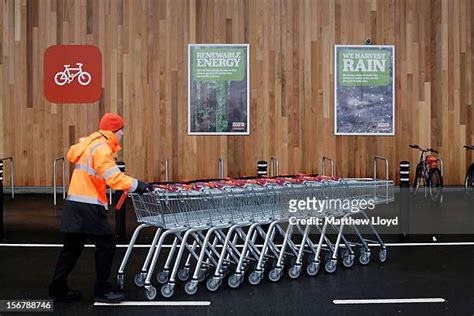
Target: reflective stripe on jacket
x=95, y=168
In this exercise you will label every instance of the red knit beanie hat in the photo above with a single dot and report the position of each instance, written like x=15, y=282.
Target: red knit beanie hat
x=111, y=122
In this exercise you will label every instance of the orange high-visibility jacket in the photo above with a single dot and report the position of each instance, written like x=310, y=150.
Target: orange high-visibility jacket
x=95, y=167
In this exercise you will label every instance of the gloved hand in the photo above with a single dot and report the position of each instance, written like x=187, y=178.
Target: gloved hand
x=143, y=187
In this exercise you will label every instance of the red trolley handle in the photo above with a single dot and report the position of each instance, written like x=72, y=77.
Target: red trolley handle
x=120, y=202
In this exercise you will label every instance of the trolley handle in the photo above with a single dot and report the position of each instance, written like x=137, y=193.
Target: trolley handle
x=469, y=147
x=433, y=151
x=122, y=199
x=415, y=146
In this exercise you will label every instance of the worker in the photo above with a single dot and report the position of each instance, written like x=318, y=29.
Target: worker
x=85, y=209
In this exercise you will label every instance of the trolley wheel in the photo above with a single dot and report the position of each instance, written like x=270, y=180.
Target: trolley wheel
x=167, y=290
x=345, y=253
x=183, y=275
x=225, y=270
x=190, y=288
x=330, y=266
x=247, y=265
x=255, y=278
x=139, y=280
x=202, y=275
x=312, y=268
x=162, y=277
x=348, y=261
x=274, y=275
x=383, y=255
x=234, y=281
x=120, y=281
x=150, y=293
x=294, y=272
x=364, y=258
x=212, y=284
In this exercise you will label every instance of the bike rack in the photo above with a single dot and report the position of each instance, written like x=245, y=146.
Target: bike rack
x=441, y=166
x=386, y=172
x=54, y=179
x=12, y=171
x=274, y=166
x=375, y=166
x=220, y=168
x=332, y=165
x=167, y=173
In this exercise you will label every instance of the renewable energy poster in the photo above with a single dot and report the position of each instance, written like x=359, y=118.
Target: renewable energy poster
x=218, y=89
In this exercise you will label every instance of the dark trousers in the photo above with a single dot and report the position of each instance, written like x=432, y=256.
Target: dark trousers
x=70, y=253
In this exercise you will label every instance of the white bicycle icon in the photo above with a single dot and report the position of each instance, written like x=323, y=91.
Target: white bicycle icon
x=68, y=75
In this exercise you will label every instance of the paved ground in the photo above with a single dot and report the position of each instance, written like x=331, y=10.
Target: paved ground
x=411, y=272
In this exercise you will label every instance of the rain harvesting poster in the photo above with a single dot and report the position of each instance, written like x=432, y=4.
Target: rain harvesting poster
x=364, y=90
x=218, y=89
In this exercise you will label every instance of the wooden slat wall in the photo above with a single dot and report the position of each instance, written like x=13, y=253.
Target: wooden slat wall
x=144, y=47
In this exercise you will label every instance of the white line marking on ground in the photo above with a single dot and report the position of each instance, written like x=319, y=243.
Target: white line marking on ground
x=162, y=303
x=454, y=243
x=389, y=301
x=413, y=244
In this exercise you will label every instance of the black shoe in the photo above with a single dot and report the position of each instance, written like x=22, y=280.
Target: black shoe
x=69, y=295
x=110, y=297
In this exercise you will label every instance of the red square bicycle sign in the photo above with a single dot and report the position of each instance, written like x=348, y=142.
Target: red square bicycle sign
x=72, y=74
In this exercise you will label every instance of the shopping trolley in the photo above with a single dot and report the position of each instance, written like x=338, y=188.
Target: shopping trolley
x=219, y=224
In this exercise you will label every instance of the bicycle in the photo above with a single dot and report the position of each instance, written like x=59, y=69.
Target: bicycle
x=469, y=179
x=428, y=171
x=68, y=75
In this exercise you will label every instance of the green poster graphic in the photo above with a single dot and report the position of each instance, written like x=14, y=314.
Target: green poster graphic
x=218, y=92
x=364, y=90
x=224, y=64
x=364, y=67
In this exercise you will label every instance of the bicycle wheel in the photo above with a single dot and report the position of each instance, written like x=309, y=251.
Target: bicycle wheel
x=469, y=180
x=435, y=183
x=418, y=175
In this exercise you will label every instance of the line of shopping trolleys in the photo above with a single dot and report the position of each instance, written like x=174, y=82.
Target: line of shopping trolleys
x=241, y=227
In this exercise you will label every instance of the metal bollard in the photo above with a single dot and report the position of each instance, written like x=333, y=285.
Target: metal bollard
x=262, y=168
x=120, y=215
x=404, y=172
x=1, y=200
x=12, y=174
